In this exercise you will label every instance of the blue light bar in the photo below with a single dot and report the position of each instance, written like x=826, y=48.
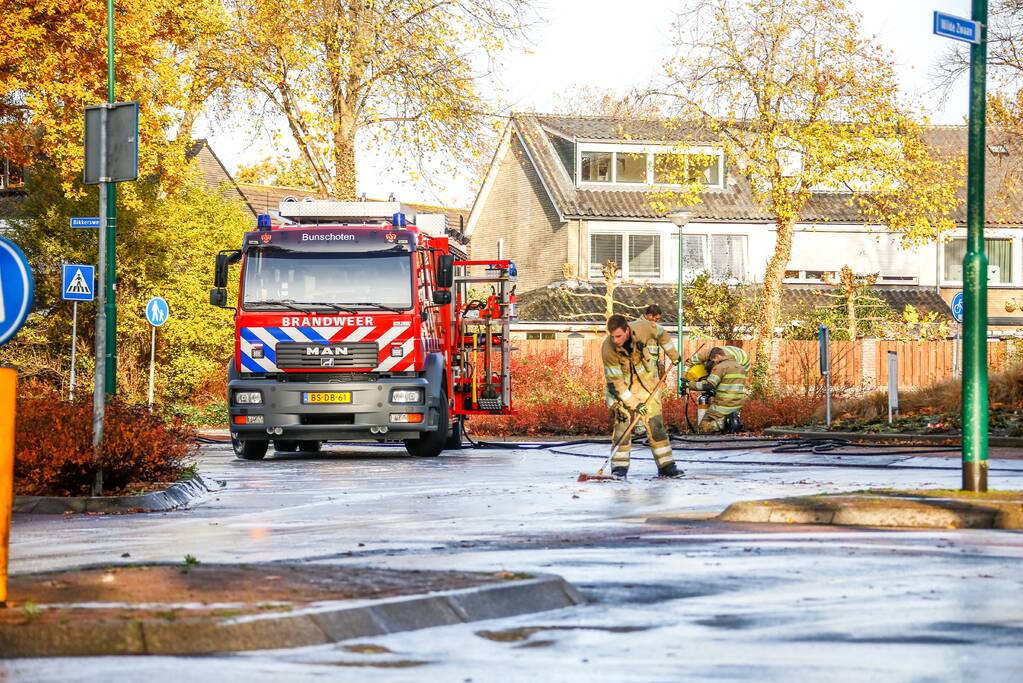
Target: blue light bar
x=263, y=222
x=398, y=220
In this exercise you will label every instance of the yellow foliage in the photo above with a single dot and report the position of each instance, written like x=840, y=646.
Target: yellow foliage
x=802, y=102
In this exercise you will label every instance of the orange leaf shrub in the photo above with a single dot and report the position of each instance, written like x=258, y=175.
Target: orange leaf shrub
x=552, y=398
x=53, y=448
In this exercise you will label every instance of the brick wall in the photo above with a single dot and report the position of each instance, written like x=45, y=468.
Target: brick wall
x=518, y=209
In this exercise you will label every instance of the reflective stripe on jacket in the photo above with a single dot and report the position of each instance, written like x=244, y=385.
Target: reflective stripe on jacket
x=733, y=352
x=631, y=371
x=729, y=381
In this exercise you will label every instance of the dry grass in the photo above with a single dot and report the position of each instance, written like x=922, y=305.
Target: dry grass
x=1004, y=389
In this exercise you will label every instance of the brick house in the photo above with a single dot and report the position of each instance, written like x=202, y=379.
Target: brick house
x=564, y=194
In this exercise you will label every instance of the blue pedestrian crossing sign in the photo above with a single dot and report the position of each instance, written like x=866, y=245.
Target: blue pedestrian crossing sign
x=957, y=307
x=17, y=289
x=157, y=311
x=78, y=282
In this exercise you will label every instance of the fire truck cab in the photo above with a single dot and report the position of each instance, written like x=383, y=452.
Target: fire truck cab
x=346, y=329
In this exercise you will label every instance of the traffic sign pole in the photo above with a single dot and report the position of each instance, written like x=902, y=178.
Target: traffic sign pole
x=152, y=365
x=74, y=345
x=975, y=402
x=99, y=392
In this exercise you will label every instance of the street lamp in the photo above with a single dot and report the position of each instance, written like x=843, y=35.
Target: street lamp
x=679, y=218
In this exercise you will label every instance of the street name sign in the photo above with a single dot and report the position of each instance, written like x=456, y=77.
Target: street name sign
x=85, y=222
x=17, y=289
x=956, y=28
x=78, y=282
x=157, y=311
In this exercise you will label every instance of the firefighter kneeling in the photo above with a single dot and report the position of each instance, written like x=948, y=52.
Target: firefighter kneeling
x=727, y=367
x=632, y=387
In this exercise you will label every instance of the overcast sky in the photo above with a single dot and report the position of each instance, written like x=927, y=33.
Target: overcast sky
x=620, y=45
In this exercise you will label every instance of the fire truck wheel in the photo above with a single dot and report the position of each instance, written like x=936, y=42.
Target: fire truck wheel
x=454, y=441
x=249, y=450
x=285, y=445
x=309, y=446
x=430, y=444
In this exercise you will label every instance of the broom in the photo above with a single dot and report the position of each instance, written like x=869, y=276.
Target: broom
x=627, y=434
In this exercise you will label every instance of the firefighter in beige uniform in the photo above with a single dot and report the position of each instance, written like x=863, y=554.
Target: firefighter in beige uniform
x=631, y=375
x=728, y=367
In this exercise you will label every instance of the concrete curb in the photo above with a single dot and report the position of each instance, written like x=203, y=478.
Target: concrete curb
x=894, y=437
x=908, y=511
x=315, y=625
x=179, y=495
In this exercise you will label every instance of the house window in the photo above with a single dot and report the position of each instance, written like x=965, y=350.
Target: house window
x=999, y=260
x=676, y=169
x=728, y=257
x=643, y=255
x=595, y=167
x=604, y=248
x=539, y=335
x=694, y=255
x=630, y=168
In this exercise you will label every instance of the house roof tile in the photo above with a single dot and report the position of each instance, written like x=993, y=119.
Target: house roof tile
x=584, y=303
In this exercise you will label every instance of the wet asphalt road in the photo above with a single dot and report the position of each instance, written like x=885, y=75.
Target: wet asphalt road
x=669, y=599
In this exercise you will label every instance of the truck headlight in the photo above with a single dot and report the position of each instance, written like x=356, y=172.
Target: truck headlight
x=248, y=397
x=407, y=396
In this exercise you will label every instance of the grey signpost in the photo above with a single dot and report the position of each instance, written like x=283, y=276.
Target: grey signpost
x=111, y=156
x=824, y=347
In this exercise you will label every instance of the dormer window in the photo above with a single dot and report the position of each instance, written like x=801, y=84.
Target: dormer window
x=649, y=165
x=595, y=167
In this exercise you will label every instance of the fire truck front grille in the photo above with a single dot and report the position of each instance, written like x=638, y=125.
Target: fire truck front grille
x=336, y=355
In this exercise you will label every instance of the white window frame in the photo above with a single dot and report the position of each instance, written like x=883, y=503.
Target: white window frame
x=650, y=151
x=623, y=268
x=1015, y=277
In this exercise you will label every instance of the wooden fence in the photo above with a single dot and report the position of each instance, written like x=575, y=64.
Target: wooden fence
x=861, y=364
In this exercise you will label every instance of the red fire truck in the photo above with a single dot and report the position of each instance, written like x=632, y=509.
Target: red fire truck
x=352, y=323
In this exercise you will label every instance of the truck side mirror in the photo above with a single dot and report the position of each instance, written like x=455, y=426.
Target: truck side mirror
x=218, y=296
x=445, y=275
x=224, y=260
x=441, y=297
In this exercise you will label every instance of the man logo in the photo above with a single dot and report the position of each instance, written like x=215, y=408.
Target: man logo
x=326, y=350
x=326, y=362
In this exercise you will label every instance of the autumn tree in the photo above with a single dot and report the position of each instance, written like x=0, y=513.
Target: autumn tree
x=851, y=287
x=53, y=65
x=282, y=172
x=611, y=277
x=801, y=101
x=402, y=75
x=590, y=100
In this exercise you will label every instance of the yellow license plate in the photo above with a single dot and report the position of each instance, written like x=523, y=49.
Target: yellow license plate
x=327, y=397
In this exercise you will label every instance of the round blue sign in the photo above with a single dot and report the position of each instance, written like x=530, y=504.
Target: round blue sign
x=157, y=311
x=957, y=307
x=17, y=289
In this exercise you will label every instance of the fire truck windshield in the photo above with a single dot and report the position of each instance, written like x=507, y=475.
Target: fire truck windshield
x=327, y=280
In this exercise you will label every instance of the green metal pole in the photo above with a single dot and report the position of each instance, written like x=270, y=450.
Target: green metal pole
x=975, y=417
x=111, y=190
x=681, y=345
